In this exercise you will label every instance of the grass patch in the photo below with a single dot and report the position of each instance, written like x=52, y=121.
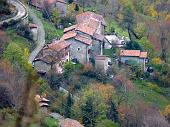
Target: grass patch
x=21, y=41
x=150, y=96
x=108, y=52
x=50, y=30
x=114, y=25
x=50, y=122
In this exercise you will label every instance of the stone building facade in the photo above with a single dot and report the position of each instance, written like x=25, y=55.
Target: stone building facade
x=86, y=37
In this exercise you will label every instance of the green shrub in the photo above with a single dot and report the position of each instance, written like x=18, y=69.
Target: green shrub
x=49, y=122
x=133, y=45
x=154, y=87
x=107, y=123
x=69, y=66
x=5, y=25
x=66, y=21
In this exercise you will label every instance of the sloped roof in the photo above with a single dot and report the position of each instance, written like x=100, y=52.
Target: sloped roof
x=70, y=123
x=31, y=25
x=90, y=15
x=99, y=37
x=69, y=35
x=143, y=55
x=85, y=28
x=58, y=45
x=83, y=39
x=70, y=28
x=134, y=53
x=88, y=27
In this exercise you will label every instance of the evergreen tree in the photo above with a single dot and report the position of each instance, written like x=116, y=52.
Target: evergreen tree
x=4, y=7
x=76, y=7
x=112, y=112
x=70, y=1
x=133, y=45
x=129, y=22
x=69, y=104
x=88, y=113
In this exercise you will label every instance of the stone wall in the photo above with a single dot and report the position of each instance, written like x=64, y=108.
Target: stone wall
x=79, y=51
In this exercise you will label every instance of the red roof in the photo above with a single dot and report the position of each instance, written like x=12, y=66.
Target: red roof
x=85, y=28
x=143, y=55
x=58, y=45
x=69, y=35
x=70, y=123
x=88, y=27
x=33, y=25
x=134, y=53
x=129, y=52
x=70, y=28
x=83, y=39
x=90, y=15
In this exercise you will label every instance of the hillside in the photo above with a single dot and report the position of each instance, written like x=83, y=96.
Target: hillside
x=102, y=63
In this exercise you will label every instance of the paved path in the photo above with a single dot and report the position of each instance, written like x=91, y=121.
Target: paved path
x=22, y=12
x=41, y=35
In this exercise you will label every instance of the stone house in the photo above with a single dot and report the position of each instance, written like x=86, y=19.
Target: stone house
x=133, y=55
x=49, y=5
x=92, y=17
x=52, y=56
x=86, y=38
x=102, y=63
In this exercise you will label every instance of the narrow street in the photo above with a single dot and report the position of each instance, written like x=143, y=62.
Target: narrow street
x=41, y=35
x=21, y=11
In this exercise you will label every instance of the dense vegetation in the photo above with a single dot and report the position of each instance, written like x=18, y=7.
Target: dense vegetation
x=123, y=97
x=4, y=7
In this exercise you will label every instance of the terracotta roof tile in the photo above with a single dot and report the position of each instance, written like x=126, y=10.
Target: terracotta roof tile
x=33, y=25
x=70, y=28
x=136, y=53
x=88, y=27
x=70, y=123
x=143, y=55
x=129, y=52
x=90, y=15
x=92, y=23
x=83, y=39
x=58, y=45
x=85, y=28
x=69, y=35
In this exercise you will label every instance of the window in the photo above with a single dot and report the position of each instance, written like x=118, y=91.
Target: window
x=126, y=61
x=89, y=51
